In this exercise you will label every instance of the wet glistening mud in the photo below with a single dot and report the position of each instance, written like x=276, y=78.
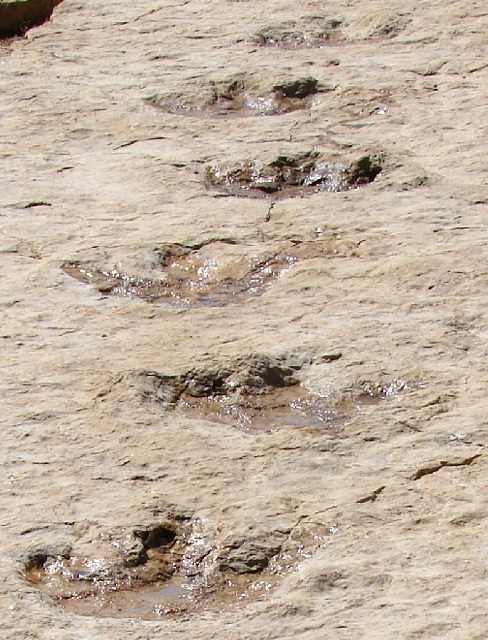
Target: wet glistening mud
x=258, y=394
x=215, y=273
x=180, y=566
x=292, y=176
x=241, y=97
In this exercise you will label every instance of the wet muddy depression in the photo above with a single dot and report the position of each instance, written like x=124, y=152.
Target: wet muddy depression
x=177, y=565
x=182, y=563
x=258, y=393
x=242, y=96
x=292, y=176
x=213, y=273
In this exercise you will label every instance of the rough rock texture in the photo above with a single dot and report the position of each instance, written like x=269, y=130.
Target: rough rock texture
x=18, y=15
x=93, y=173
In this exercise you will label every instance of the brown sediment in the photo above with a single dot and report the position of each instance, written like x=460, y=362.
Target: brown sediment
x=260, y=393
x=288, y=406
x=294, y=408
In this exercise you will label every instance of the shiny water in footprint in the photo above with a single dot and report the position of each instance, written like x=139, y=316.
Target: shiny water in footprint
x=286, y=407
x=190, y=574
x=291, y=176
x=197, y=285
x=111, y=598
x=197, y=277
x=250, y=106
x=238, y=97
x=154, y=601
x=290, y=406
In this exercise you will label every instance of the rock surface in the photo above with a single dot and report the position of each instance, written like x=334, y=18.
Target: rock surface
x=376, y=295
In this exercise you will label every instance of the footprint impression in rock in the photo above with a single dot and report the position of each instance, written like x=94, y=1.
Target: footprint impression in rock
x=292, y=175
x=310, y=32
x=178, y=565
x=256, y=394
x=213, y=273
x=315, y=31
x=242, y=96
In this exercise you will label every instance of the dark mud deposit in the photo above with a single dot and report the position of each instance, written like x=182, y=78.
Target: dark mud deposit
x=175, y=566
x=258, y=393
x=195, y=275
x=291, y=176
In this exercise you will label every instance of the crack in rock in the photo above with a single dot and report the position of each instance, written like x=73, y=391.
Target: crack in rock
x=425, y=471
x=372, y=497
